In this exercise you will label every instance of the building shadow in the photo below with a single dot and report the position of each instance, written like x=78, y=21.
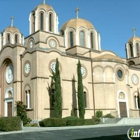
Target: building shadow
x=74, y=101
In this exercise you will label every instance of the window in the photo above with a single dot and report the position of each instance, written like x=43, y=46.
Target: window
x=16, y=39
x=131, y=51
x=137, y=101
x=71, y=39
x=50, y=22
x=8, y=38
x=120, y=73
x=91, y=40
x=28, y=99
x=41, y=21
x=52, y=97
x=85, y=99
x=82, y=39
x=137, y=48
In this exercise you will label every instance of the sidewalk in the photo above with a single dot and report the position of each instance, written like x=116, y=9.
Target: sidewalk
x=36, y=129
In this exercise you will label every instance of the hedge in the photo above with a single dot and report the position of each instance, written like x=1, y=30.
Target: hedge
x=10, y=123
x=68, y=121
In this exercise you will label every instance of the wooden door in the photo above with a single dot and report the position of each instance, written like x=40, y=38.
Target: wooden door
x=9, y=108
x=123, y=111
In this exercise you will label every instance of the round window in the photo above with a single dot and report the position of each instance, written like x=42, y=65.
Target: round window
x=120, y=73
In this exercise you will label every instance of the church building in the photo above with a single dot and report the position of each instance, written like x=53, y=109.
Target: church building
x=110, y=83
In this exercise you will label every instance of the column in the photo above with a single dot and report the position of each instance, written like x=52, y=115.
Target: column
x=136, y=102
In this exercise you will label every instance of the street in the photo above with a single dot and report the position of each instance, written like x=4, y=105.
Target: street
x=102, y=133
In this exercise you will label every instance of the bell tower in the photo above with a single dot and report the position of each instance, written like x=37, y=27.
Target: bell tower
x=133, y=50
x=44, y=18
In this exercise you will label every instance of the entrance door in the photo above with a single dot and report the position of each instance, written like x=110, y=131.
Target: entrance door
x=9, y=109
x=123, y=112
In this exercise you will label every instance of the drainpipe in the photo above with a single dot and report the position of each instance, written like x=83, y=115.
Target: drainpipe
x=21, y=75
x=92, y=83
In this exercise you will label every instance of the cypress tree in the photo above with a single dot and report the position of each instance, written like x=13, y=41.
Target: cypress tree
x=57, y=92
x=81, y=106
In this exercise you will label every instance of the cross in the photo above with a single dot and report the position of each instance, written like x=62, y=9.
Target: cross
x=12, y=21
x=44, y=2
x=134, y=31
x=77, y=10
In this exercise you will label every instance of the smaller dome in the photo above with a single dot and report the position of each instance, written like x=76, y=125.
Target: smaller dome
x=134, y=39
x=44, y=6
x=11, y=29
x=76, y=23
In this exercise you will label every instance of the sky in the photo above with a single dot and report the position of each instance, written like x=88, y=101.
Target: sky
x=113, y=19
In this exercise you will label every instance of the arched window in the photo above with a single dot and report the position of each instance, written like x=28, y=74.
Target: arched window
x=71, y=39
x=50, y=22
x=85, y=99
x=16, y=39
x=137, y=102
x=82, y=39
x=28, y=99
x=41, y=20
x=131, y=50
x=137, y=48
x=91, y=40
x=8, y=38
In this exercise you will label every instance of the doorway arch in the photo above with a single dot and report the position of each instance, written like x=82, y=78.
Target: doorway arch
x=122, y=103
x=8, y=102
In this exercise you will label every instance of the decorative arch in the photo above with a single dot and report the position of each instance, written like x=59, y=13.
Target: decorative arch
x=27, y=95
x=136, y=99
x=9, y=95
x=98, y=73
x=122, y=103
x=109, y=75
x=131, y=63
x=52, y=37
x=31, y=42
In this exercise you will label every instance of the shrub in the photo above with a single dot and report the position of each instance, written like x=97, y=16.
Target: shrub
x=21, y=112
x=108, y=116
x=10, y=123
x=99, y=114
x=52, y=122
x=71, y=118
x=68, y=121
x=75, y=122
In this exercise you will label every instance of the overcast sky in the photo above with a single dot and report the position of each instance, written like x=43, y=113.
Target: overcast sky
x=114, y=19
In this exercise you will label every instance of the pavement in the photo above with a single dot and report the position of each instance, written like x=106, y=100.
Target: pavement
x=37, y=129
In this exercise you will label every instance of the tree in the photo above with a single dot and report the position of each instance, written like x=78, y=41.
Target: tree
x=57, y=92
x=81, y=106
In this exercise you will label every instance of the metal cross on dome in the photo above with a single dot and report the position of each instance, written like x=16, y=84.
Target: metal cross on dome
x=12, y=21
x=134, y=31
x=77, y=10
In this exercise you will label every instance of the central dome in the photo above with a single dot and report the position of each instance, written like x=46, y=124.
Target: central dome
x=76, y=23
x=44, y=6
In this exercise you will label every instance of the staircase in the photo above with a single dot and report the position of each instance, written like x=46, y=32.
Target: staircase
x=131, y=121
x=111, y=120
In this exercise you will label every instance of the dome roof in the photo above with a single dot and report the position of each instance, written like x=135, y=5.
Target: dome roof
x=134, y=39
x=76, y=23
x=11, y=29
x=44, y=6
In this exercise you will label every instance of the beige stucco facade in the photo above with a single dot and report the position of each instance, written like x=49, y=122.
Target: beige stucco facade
x=111, y=83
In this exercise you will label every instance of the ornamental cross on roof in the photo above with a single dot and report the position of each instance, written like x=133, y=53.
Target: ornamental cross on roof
x=77, y=10
x=134, y=31
x=12, y=21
